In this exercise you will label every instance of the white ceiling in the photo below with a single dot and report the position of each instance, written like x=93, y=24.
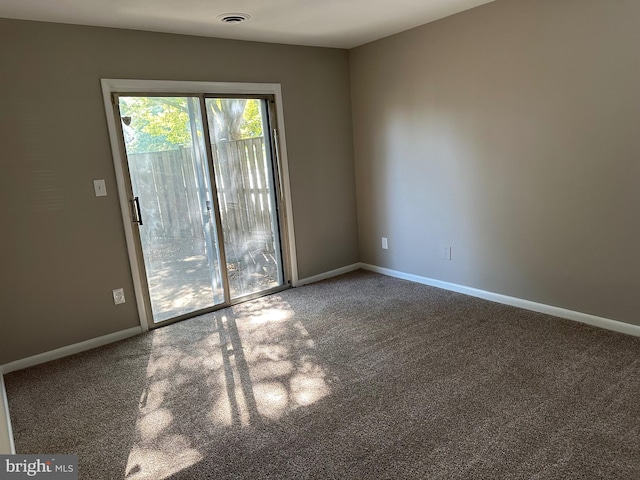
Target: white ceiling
x=327, y=23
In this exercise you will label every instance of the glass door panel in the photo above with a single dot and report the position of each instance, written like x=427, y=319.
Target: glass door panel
x=166, y=155
x=244, y=176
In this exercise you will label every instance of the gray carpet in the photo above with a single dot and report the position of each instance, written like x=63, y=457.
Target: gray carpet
x=359, y=377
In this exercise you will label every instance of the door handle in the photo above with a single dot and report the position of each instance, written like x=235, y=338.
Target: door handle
x=135, y=211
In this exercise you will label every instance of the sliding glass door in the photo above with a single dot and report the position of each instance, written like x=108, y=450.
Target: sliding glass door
x=203, y=196
x=244, y=178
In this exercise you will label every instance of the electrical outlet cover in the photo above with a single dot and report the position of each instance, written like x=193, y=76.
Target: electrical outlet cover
x=118, y=296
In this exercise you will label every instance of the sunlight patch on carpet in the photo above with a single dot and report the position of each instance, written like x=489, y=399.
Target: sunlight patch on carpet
x=255, y=364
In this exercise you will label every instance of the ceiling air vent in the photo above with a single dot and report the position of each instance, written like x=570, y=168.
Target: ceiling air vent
x=233, y=18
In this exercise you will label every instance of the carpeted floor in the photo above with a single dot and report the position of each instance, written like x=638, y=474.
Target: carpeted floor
x=359, y=377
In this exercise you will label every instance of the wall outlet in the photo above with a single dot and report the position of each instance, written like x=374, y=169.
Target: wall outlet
x=385, y=243
x=118, y=296
x=447, y=253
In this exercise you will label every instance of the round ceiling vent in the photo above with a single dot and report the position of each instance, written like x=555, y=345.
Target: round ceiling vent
x=233, y=18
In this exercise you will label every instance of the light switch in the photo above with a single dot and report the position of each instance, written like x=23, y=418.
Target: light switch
x=100, y=188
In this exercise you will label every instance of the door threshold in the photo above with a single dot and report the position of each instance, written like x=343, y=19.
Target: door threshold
x=215, y=308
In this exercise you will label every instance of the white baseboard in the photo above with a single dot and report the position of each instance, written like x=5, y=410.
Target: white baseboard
x=593, y=320
x=69, y=350
x=326, y=275
x=6, y=434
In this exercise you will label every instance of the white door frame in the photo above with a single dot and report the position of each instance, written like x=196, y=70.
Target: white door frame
x=110, y=85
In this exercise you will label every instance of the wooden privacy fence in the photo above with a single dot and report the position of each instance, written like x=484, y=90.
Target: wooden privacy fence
x=172, y=194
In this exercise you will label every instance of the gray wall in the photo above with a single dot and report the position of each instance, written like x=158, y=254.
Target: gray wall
x=62, y=249
x=510, y=132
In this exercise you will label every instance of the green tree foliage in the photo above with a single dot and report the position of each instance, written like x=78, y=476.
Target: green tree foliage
x=157, y=123
x=252, y=120
x=163, y=123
